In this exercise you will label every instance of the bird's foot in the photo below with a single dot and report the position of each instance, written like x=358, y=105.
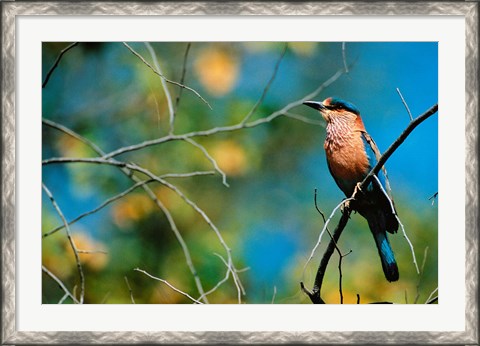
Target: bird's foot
x=346, y=207
x=357, y=189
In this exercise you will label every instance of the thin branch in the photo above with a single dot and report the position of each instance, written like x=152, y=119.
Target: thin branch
x=210, y=158
x=182, y=78
x=165, y=78
x=129, y=290
x=149, y=192
x=55, y=64
x=386, y=155
x=60, y=284
x=315, y=294
x=344, y=56
x=183, y=245
x=65, y=296
x=267, y=87
x=70, y=239
x=73, y=134
x=399, y=222
x=101, y=206
x=238, y=284
x=425, y=252
x=186, y=175
x=274, y=294
x=405, y=104
x=124, y=193
x=220, y=283
x=169, y=285
x=304, y=119
x=323, y=231
x=340, y=255
x=92, y=252
x=171, y=187
x=431, y=295
x=433, y=197
x=223, y=129
x=164, y=85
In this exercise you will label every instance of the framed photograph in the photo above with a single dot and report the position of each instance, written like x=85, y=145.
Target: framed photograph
x=211, y=172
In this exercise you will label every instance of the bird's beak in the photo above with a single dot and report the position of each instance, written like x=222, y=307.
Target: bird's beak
x=319, y=107
x=315, y=105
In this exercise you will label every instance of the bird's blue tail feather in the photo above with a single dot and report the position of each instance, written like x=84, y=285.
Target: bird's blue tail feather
x=387, y=257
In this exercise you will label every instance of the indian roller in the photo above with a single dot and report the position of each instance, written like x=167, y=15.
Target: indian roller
x=351, y=153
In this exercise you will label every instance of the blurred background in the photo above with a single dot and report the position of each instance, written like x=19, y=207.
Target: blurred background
x=267, y=215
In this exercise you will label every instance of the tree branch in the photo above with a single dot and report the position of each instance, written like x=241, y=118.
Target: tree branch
x=229, y=128
x=72, y=242
x=315, y=294
x=165, y=78
x=55, y=64
x=61, y=285
x=149, y=192
x=386, y=155
x=169, y=285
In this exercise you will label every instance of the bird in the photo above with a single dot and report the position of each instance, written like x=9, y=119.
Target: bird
x=351, y=153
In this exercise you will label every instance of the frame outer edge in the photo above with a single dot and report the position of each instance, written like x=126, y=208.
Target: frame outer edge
x=8, y=171
x=471, y=171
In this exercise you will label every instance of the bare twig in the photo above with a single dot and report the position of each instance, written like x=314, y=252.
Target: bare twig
x=219, y=283
x=425, y=252
x=210, y=158
x=340, y=255
x=305, y=119
x=386, y=155
x=55, y=64
x=315, y=294
x=164, y=85
x=399, y=222
x=267, y=87
x=124, y=193
x=73, y=134
x=223, y=129
x=61, y=285
x=70, y=239
x=182, y=78
x=92, y=252
x=431, y=295
x=183, y=245
x=186, y=175
x=405, y=104
x=129, y=290
x=172, y=187
x=165, y=78
x=169, y=285
x=344, y=56
x=149, y=192
x=65, y=296
x=101, y=206
x=323, y=231
x=274, y=294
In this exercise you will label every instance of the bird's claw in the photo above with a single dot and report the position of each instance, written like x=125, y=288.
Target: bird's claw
x=358, y=188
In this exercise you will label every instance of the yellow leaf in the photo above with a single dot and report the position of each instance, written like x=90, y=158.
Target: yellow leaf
x=217, y=70
x=231, y=157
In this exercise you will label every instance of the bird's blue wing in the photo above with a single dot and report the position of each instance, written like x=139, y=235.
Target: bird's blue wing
x=373, y=154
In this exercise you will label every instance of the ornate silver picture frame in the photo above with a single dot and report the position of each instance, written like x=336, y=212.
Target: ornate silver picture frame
x=11, y=11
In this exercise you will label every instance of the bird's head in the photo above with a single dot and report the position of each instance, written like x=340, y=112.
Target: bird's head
x=333, y=107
